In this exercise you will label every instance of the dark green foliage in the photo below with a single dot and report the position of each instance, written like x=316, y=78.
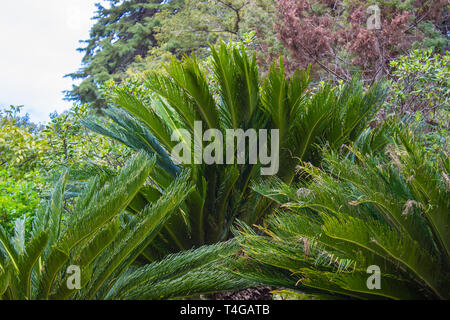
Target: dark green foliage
x=18, y=199
x=229, y=95
x=123, y=31
x=389, y=212
x=352, y=190
x=136, y=35
x=105, y=244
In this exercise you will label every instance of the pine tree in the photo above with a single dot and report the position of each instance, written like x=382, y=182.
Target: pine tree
x=124, y=29
x=137, y=35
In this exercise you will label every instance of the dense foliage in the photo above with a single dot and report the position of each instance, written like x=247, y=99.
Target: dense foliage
x=18, y=198
x=19, y=147
x=421, y=83
x=361, y=175
x=32, y=157
x=150, y=114
x=359, y=211
x=124, y=30
x=102, y=243
x=138, y=34
x=335, y=36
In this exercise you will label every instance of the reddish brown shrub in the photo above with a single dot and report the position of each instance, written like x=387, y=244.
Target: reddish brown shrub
x=332, y=35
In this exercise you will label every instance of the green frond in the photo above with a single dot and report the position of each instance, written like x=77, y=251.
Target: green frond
x=175, y=96
x=189, y=76
x=131, y=103
x=28, y=259
x=8, y=249
x=134, y=238
x=193, y=284
x=172, y=268
x=354, y=213
x=134, y=134
x=5, y=276
x=103, y=205
x=427, y=182
x=238, y=79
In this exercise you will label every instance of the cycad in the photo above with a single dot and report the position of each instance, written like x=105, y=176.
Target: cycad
x=104, y=242
x=361, y=212
x=231, y=95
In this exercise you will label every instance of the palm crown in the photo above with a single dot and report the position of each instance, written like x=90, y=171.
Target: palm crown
x=360, y=211
x=105, y=243
x=230, y=94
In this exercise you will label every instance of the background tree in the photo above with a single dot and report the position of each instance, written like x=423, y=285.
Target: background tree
x=137, y=35
x=420, y=96
x=421, y=83
x=335, y=38
x=71, y=144
x=20, y=154
x=32, y=156
x=201, y=22
x=19, y=146
x=123, y=31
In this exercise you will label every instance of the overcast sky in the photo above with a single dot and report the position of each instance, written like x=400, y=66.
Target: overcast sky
x=38, y=42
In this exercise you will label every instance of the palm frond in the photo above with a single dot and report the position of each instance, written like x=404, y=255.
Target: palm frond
x=187, y=274
x=358, y=212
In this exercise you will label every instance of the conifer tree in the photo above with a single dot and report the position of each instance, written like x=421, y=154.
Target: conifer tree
x=131, y=36
x=124, y=29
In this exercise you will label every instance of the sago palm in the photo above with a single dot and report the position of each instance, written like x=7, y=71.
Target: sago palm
x=359, y=212
x=230, y=94
x=104, y=242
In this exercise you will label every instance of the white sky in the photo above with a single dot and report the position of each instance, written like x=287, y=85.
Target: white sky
x=38, y=42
